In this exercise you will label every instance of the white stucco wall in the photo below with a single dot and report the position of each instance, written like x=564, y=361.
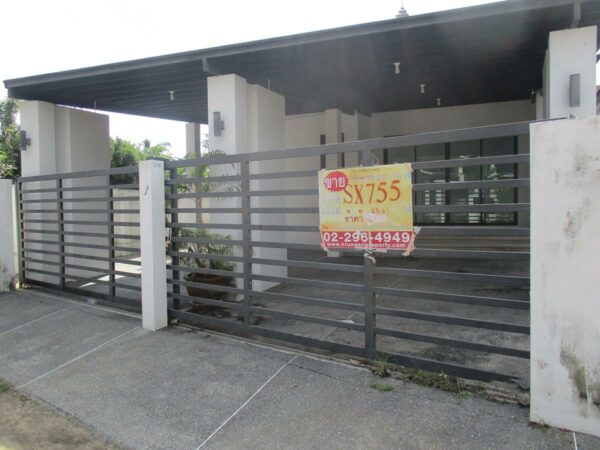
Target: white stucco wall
x=450, y=118
x=8, y=230
x=565, y=244
x=254, y=121
x=65, y=140
x=571, y=51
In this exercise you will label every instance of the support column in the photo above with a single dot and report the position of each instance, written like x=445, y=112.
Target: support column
x=565, y=311
x=8, y=236
x=193, y=140
x=152, y=235
x=570, y=73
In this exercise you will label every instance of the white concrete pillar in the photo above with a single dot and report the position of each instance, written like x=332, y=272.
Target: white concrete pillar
x=333, y=134
x=8, y=236
x=152, y=235
x=193, y=140
x=254, y=120
x=571, y=52
x=38, y=121
x=266, y=131
x=565, y=244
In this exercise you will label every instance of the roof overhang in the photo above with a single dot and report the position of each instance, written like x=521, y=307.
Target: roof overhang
x=480, y=54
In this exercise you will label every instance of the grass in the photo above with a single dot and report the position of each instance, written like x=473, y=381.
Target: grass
x=4, y=386
x=436, y=380
x=379, y=385
x=381, y=367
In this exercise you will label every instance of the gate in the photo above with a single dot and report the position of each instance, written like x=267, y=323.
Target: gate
x=244, y=254
x=79, y=232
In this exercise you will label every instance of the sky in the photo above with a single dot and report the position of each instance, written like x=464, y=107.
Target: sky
x=48, y=36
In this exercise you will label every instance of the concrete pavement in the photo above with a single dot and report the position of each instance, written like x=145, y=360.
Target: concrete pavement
x=184, y=389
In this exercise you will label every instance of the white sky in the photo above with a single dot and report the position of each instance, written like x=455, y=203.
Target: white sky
x=53, y=35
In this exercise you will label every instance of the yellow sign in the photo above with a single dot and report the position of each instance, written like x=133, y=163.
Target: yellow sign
x=366, y=207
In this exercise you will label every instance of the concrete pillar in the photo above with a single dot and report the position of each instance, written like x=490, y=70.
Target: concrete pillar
x=152, y=235
x=193, y=140
x=571, y=52
x=266, y=131
x=565, y=311
x=8, y=236
x=254, y=120
x=38, y=121
x=333, y=134
x=65, y=140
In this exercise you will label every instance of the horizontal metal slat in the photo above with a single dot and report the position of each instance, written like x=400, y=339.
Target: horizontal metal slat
x=308, y=264
x=312, y=283
x=209, y=287
x=453, y=320
x=454, y=298
x=303, y=300
x=311, y=319
x=496, y=207
x=456, y=343
x=436, y=274
x=469, y=254
x=484, y=184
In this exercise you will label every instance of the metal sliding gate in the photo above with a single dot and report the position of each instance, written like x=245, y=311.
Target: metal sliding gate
x=79, y=232
x=244, y=254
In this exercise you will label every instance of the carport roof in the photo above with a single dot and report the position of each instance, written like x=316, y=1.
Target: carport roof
x=480, y=54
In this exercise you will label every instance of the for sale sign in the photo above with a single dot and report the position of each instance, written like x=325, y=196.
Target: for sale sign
x=366, y=208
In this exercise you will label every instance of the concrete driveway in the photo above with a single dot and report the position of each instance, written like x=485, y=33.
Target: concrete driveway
x=184, y=389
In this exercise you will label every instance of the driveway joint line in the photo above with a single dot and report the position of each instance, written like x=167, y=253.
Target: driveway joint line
x=78, y=357
x=220, y=427
x=37, y=320
x=290, y=361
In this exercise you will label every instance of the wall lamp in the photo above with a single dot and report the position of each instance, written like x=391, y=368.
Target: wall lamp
x=24, y=141
x=218, y=124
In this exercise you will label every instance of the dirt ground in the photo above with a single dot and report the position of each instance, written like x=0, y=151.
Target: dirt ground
x=26, y=425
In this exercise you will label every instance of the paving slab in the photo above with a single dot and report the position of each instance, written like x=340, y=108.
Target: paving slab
x=315, y=404
x=168, y=389
x=20, y=307
x=37, y=348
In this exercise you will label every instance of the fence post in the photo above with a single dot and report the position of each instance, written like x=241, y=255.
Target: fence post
x=61, y=233
x=246, y=241
x=174, y=244
x=112, y=290
x=369, y=281
x=152, y=240
x=370, y=316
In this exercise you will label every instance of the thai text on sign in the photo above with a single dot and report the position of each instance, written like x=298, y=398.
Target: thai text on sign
x=366, y=208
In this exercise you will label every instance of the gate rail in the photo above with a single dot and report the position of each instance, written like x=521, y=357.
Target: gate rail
x=359, y=287
x=74, y=234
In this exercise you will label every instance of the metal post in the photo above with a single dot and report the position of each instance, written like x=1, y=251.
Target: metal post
x=246, y=241
x=369, y=286
x=20, y=234
x=112, y=290
x=61, y=233
x=175, y=245
x=370, y=316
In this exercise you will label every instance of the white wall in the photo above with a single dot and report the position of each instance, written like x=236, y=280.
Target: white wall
x=8, y=230
x=571, y=51
x=450, y=118
x=65, y=140
x=565, y=244
x=254, y=120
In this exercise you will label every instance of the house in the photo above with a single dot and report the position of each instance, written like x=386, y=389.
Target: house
x=444, y=91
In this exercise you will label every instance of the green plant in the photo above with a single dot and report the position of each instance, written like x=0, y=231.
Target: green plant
x=205, y=246
x=4, y=386
x=436, y=380
x=381, y=367
x=10, y=149
x=380, y=386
